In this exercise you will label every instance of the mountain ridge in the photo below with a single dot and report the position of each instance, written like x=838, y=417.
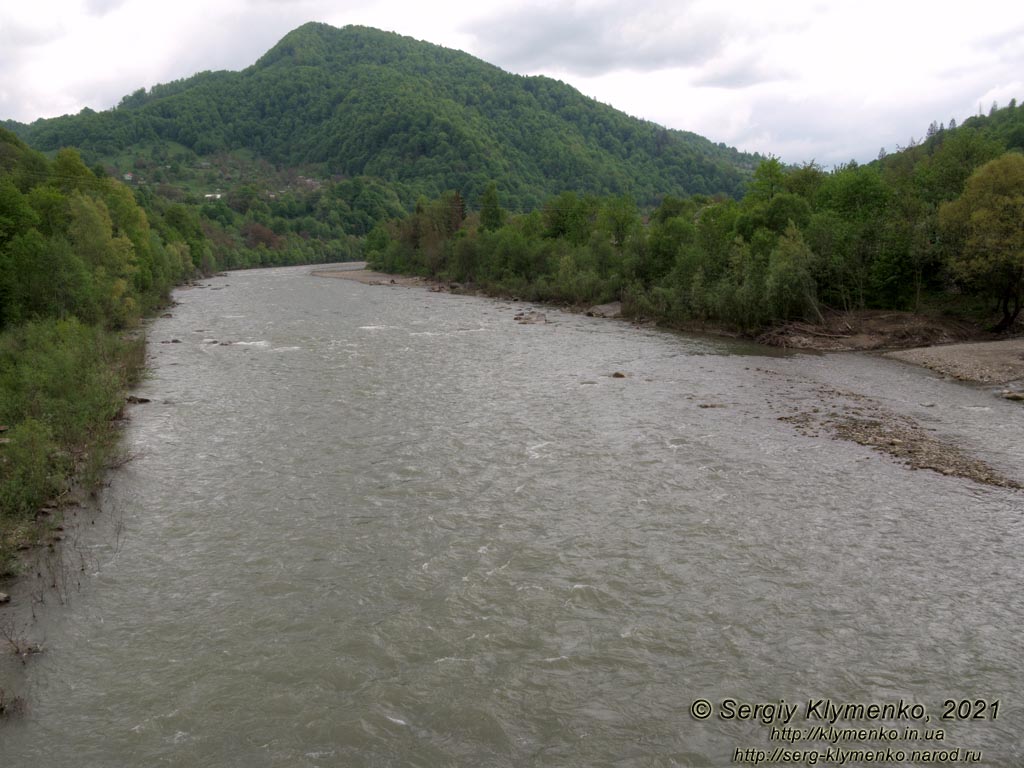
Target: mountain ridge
x=361, y=102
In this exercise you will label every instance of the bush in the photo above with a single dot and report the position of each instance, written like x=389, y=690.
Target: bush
x=61, y=373
x=29, y=469
x=60, y=386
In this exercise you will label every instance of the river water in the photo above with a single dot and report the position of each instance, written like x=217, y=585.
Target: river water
x=389, y=527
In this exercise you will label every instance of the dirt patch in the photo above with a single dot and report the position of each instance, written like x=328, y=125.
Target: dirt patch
x=992, y=362
x=871, y=330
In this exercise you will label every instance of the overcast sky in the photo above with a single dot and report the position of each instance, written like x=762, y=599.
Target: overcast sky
x=824, y=80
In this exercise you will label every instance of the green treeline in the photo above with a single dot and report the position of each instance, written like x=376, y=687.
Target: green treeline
x=80, y=262
x=916, y=228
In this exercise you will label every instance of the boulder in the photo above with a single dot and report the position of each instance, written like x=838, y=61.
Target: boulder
x=613, y=309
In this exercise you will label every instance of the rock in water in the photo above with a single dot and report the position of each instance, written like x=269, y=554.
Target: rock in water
x=613, y=309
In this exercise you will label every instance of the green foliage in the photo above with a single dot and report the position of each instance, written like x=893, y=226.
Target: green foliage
x=491, y=214
x=57, y=373
x=16, y=214
x=790, y=288
x=571, y=217
x=666, y=239
x=768, y=181
x=78, y=260
x=619, y=219
x=60, y=386
x=942, y=175
x=985, y=227
x=44, y=278
x=30, y=472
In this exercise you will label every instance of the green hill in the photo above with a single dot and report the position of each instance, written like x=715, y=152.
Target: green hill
x=360, y=102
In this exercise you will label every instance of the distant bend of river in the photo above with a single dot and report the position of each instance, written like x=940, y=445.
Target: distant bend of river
x=372, y=526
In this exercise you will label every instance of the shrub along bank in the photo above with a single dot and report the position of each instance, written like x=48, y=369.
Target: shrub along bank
x=80, y=263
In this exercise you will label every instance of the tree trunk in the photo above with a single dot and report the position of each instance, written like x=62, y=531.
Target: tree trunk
x=1009, y=314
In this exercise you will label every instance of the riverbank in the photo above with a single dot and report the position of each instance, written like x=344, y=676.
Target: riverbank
x=952, y=348
x=61, y=391
x=871, y=330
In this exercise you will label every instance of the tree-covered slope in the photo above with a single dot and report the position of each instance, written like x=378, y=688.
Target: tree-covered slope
x=361, y=102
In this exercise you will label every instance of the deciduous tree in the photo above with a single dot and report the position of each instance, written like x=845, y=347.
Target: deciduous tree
x=986, y=225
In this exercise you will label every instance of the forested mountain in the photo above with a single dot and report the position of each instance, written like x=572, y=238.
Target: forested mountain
x=358, y=102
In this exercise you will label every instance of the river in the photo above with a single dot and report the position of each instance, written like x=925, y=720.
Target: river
x=379, y=526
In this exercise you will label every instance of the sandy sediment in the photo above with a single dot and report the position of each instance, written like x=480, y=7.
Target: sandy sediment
x=983, y=362
x=845, y=415
x=369, y=277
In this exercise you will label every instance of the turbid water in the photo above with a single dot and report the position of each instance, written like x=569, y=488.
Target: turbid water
x=388, y=527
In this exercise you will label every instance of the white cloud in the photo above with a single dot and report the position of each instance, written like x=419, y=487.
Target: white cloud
x=102, y=7
x=598, y=37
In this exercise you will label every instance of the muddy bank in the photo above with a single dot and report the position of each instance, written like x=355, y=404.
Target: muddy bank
x=870, y=330
x=953, y=348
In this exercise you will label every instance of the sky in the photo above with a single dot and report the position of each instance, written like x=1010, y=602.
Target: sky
x=804, y=80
